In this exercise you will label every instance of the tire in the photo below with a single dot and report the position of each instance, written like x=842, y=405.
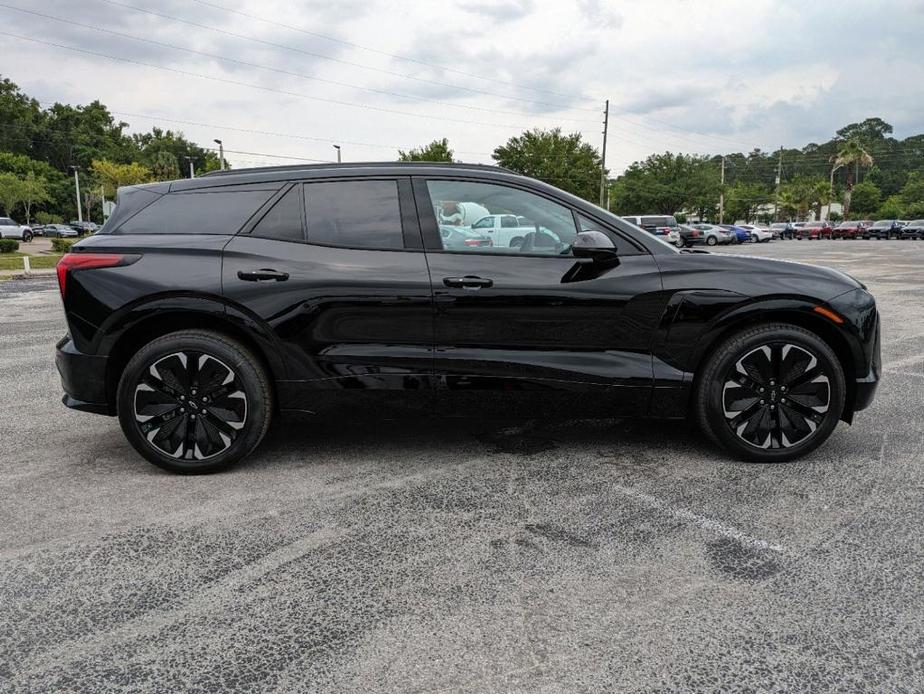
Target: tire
x=27, y=236
x=711, y=240
x=757, y=433
x=754, y=238
x=679, y=243
x=161, y=385
x=516, y=242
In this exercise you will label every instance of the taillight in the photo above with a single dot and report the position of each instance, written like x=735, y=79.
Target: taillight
x=472, y=242
x=89, y=261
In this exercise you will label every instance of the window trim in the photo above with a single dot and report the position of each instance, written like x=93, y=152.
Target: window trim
x=429, y=228
x=264, y=210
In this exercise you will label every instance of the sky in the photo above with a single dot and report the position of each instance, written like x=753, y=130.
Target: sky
x=281, y=82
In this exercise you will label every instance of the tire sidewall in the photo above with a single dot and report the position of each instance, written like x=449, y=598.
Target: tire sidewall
x=709, y=392
x=250, y=375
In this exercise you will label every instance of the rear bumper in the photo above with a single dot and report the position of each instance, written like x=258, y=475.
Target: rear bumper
x=83, y=377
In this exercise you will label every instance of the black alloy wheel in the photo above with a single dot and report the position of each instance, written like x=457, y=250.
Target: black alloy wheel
x=194, y=401
x=772, y=393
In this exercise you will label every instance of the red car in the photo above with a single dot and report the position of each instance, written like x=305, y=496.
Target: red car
x=815, y=230
x=850, y=230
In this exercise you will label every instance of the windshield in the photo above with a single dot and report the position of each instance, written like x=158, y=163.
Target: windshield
x=883, y=223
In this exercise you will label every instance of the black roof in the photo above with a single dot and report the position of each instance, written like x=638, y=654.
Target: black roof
x=356, y=165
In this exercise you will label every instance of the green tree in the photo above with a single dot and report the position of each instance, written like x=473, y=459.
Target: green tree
x=438, y=150
x=152, y=145
x=665, y=184
x=112, y=175
x=165, y=166
x=12, y=192
x=890, y=209
x=865, y=199
x=851, y=156
x=743, y=199
x=19, y=116
x=565, y=161
x=822, y=194
x=35, y=192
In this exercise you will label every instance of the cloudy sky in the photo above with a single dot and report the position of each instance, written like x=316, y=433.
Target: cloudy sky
x=288, y=79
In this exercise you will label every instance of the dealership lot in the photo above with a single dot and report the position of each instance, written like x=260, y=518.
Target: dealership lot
x=434, y=555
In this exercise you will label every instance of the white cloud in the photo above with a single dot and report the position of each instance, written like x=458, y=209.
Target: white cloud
x=681, y=75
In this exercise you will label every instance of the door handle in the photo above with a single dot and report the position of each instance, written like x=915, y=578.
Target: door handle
x=468, y=282
x=262, y=275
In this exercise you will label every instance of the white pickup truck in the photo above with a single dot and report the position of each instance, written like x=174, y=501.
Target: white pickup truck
x=505, y=230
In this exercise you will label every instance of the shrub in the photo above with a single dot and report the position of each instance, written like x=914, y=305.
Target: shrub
x=9, y=245
x=62, y=245
x=48, y=218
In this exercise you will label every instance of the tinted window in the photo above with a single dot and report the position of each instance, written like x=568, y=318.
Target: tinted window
x=221, y=211
x=284, y=221
x=354, y=214
x=7, y=222
x=547, y=228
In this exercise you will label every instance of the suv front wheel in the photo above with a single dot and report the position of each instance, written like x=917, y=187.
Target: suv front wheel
x=771, y=393
x=194, y=401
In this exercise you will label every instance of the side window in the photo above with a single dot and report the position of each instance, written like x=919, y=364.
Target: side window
x=541, y=227
x=484, y=223
x=354, y=214
x=509, y=221
x=217, y=211
x=284, y=221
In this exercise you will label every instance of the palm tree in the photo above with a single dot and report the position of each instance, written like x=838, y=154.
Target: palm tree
x=852, y=156
x=822, y=193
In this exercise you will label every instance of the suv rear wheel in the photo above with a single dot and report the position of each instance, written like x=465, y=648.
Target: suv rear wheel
x=771, y=393
x=194, y=401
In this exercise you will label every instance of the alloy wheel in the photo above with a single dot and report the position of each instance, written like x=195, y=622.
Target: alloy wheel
x=190, y=405
x=776, y=396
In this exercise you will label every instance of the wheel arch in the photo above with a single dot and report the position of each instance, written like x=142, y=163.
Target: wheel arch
x=801, y=316
x=155, y=324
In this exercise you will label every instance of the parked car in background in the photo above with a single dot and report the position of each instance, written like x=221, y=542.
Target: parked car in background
x=783, y=230
x=10, y=229
x=60, y=231
x=504, y=230
x=884, y=229
x=690, y=236
x=758, y=234
x=913, y=230
x=84, y=227
x=714, y=234
x=210, y=305
x=815, y=231
x=657, y=224
x=850, y=229
x=739, y=235
x=461, y=238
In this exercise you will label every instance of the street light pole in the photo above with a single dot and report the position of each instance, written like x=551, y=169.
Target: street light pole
x=722, y=195
x=831, y=183
x=221, y=155
x=337, y=147
x=192, y=171
x=77, y=188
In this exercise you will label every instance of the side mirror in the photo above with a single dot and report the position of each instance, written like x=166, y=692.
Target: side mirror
x=594, y=246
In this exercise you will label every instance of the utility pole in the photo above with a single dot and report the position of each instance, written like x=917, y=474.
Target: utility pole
x=192, y=171
x=722, y=194
x=779, y=174
x=337, y=147
x=77, y=187
x=221, y=155
x=604, y=203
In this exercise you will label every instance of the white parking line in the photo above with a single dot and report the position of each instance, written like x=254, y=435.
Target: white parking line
x=700, y=521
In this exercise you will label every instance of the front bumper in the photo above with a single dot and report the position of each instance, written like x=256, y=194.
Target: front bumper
x=83, y=377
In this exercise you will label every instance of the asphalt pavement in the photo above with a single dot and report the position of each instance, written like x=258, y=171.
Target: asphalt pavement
x=444, y=556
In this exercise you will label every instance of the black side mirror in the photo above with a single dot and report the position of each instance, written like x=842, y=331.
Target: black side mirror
x=595, y=247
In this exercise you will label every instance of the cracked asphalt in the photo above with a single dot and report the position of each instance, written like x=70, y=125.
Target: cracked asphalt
x=435, y=556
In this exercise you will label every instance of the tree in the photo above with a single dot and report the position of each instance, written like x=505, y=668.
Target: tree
x=565, y=161
x=12, y=192
x=438, y=150
x=852, y=155
x=18, y=119
x=865, y=198
x=743, y=199
x=165, y=167
x=35, y=192
x=112, y=175
x=891, y=208
x=665, y=184
x=822, y=194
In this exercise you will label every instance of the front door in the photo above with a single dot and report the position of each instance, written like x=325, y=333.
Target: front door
x=519, y=325
x=336, y=271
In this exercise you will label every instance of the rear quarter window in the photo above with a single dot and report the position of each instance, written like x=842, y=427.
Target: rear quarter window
x=214, y=211
x=354, y=214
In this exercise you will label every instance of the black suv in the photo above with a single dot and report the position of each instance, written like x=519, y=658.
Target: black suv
x=204, y=307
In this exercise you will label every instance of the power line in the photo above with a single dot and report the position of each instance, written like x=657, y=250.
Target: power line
x=285, y=92
x=385, y=53
x=269, y=68
x=332, y=59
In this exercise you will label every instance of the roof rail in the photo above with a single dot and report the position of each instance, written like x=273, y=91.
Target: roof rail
x=356, y=165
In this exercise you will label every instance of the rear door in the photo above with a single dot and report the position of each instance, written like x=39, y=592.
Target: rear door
x=516, y=322
x=335, y=269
